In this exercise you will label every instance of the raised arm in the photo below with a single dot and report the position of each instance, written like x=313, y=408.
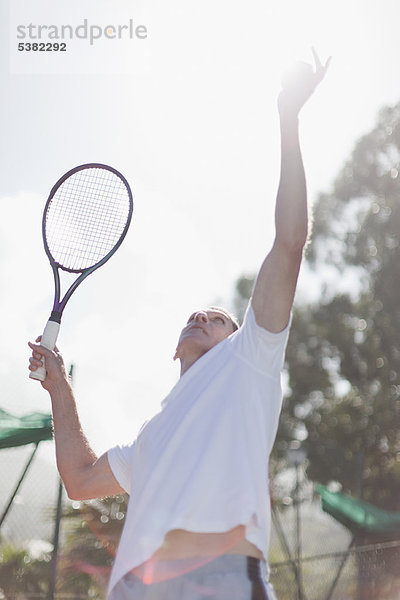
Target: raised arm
x=84, y=475
x=276, y=282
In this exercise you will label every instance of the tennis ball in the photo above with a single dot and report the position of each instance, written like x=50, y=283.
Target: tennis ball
x=298, y=73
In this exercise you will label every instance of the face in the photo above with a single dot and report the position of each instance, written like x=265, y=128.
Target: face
x=204, y=329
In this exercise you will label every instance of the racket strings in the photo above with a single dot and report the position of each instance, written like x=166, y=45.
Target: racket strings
x=86, y=218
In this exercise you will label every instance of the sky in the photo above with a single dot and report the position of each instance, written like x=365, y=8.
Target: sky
x=188, y=115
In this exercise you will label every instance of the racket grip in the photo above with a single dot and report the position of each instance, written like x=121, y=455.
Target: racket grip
x=48, y=341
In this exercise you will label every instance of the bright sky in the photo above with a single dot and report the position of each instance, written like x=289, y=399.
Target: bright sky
x=189, y=116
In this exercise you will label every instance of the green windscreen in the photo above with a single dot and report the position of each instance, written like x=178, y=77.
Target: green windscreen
x=17, y=431
x=357, y=515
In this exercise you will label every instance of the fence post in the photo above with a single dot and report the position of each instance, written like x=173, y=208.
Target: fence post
x=56, y=537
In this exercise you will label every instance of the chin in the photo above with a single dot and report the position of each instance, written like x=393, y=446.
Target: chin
x=192, y=343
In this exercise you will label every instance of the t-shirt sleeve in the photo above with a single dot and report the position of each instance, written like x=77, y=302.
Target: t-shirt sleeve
x=262, y=349
x=120, y=461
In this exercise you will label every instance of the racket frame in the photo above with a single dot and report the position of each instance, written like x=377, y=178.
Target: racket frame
x=58, y=306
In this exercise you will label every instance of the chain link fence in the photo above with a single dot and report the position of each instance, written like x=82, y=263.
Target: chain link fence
x=366, y=572
x=30, y=517
x=312, y=556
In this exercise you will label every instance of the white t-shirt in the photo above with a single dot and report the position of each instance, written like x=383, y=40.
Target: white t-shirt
x=201, y=463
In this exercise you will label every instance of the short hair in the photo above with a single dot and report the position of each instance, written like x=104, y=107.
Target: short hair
x=232, y=319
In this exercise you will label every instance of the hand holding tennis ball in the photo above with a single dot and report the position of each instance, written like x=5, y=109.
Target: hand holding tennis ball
x=298, y=83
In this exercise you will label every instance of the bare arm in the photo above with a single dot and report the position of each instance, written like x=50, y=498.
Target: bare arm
x=84, y=475
x=276, y=282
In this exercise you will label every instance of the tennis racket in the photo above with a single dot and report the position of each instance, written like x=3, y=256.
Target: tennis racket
x=85, y=220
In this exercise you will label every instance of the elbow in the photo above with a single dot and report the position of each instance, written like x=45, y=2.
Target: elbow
x=292, y=239
x=73, y=491
x=292, y=245
x=74, y=494
x=297, y=245
x=73, y=487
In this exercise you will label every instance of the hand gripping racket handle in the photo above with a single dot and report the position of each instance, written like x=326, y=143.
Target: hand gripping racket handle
x=48, y=341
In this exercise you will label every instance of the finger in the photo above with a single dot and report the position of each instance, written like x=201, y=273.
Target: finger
x=35, y=363
x=38, y=338
x=40, y=349
x=321, y=72
x=318, y=64
x=34, y=346
x=328, y=62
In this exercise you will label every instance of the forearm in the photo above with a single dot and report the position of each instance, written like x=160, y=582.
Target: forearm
x=276, y=282
x=73, y=451
x=291, y=219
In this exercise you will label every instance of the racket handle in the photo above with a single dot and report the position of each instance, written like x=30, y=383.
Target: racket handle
x=48, y=341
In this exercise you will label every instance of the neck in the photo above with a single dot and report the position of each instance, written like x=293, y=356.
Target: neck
x=188, y=361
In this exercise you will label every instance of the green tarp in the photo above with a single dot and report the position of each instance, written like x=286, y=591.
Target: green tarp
x=17, y=431
x=357, y=515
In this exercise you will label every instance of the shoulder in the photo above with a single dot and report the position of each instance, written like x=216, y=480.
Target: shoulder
x=264, y=349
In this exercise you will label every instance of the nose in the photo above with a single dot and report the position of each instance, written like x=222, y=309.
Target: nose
x=201, y=316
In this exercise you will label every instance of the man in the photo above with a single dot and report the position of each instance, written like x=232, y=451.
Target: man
x=198, y=518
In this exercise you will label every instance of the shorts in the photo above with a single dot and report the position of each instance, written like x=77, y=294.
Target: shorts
x=227, y=577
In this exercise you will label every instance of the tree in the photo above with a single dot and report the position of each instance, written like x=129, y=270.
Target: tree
x=343, y=356
x=22, y=575
x=93, y=530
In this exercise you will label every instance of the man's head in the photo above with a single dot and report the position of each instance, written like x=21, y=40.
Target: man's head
x=204, y=329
